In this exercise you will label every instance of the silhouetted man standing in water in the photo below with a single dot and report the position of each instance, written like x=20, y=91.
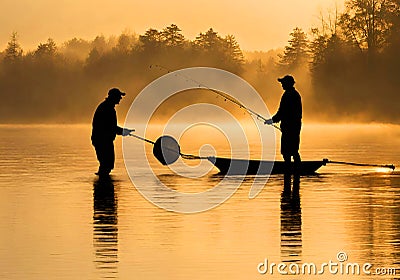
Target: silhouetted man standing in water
x=289, y=114
x=104, y=130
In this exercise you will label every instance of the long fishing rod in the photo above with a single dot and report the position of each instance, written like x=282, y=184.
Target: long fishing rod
x=220, y=93
x=167, y=150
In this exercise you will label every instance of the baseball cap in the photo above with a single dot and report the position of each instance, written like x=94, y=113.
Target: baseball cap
x=287, y=79
x=116, y=92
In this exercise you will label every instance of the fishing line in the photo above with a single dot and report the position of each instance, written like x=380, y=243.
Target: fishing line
x=220, y=93
x=167, y=150
x=391, y=166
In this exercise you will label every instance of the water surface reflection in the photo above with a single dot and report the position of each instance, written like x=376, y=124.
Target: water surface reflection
x=291, y=242
x=105, y=227
x=57, y=223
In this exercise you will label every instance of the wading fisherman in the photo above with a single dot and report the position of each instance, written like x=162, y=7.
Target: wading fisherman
x=289, y=114
x=104, y=130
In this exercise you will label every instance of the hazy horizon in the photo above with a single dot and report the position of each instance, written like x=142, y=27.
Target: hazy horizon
x=343, y=72
x=257, y=25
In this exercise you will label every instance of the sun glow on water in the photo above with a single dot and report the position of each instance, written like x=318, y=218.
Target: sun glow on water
x=383, y=170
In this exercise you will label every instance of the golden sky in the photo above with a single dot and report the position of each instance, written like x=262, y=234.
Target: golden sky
x=256, y=24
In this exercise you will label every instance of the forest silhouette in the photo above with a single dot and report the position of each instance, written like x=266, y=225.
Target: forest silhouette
x=347, y=69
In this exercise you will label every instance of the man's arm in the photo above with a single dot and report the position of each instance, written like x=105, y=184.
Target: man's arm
x=119, y=130
x=274, y=119
x=278, y=116
x=124, y=131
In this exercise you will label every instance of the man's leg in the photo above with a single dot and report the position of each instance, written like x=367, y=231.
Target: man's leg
x=109, y=158
x=106, y=157
x=288, y=165
x=287, y=176
x=297, y=164
x=297, y=158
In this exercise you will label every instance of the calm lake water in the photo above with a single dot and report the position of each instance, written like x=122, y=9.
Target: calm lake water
x=59, y=222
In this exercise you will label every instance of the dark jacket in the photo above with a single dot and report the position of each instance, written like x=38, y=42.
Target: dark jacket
x=290, y=111
x=104, y=125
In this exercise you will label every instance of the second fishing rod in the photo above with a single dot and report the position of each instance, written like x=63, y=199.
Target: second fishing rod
x=226, y=97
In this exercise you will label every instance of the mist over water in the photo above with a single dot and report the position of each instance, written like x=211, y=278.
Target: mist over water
x=343, y=70
x=55, y=216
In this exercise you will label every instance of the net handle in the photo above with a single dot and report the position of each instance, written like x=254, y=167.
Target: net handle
x=142, y=138
x=184, y=156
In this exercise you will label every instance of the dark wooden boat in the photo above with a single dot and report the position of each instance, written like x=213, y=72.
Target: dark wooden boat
x=261, y=167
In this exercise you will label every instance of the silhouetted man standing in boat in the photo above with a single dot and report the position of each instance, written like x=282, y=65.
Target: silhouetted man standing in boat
x=104, y=130
x=290, y=115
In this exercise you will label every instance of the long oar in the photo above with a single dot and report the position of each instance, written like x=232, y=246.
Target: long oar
x=220, y=93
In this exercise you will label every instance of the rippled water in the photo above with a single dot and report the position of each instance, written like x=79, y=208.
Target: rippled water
x=59, y=222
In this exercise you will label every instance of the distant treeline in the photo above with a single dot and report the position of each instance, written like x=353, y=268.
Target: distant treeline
x=65, y=83
x=346, y=69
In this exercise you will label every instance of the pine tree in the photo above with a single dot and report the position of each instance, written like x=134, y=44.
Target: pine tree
x=152, y=39
x=296, y=53
x=13, y=52
x=46, y=49
x=209, y=40
x=233, y=50
x=172, y=36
